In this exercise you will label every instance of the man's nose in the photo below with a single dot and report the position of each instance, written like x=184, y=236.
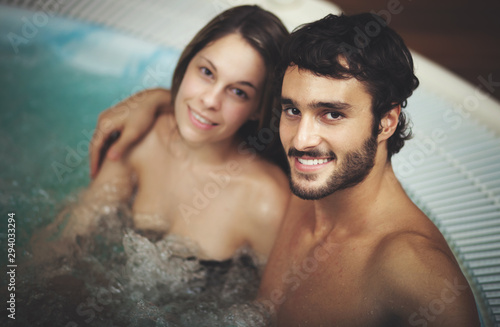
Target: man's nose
x=307, y=136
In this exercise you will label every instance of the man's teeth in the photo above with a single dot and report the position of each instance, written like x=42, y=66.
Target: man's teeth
x=201, y=119
x=312, y=162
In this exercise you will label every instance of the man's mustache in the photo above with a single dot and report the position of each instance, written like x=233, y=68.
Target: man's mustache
x=293, y=152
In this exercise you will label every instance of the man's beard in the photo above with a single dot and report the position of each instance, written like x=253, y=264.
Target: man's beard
x=355, y=167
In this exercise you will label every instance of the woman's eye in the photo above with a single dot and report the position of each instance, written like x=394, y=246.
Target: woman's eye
x=240, y=93
x=205, y=71
x=333, y=116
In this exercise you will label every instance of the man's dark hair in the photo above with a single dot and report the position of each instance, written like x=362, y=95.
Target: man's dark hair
x=363, y=47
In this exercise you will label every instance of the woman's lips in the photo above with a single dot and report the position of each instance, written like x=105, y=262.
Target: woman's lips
x=200, y=121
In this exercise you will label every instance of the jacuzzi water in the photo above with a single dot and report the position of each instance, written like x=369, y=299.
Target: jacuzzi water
x=57, y=75
x=53, y=84
x=55, y=79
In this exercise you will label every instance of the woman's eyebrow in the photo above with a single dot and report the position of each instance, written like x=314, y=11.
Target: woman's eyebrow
x=210, y=63
x=248, y=84
x=214, y=68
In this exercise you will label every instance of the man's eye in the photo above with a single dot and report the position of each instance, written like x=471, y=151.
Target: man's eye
x=333, y=116
x=292, y=111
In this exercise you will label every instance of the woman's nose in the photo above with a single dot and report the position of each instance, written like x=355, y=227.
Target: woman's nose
x=212, y=97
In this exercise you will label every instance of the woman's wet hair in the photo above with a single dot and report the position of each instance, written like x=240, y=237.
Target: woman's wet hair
x=363, y=47
x=264, y=32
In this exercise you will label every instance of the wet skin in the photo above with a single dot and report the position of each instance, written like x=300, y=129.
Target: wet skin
x=363, y=255
x=189, y=175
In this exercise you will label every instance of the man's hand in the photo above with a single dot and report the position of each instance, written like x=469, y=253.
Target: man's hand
x=129, y=120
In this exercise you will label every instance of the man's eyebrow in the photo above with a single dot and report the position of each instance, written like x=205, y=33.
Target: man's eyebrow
x=331, y=105
x=287, y=101
x=215, y=70
x=336, y=105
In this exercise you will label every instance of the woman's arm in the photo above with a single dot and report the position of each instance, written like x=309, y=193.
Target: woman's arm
x=111, y=190
x=133, y=118
x=113, y=187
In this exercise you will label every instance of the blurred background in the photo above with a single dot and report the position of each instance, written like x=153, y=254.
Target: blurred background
x=461, y=35
x=64, y=61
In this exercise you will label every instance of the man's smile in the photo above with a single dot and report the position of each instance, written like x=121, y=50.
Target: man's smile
x=310, y=164
x=310, y=160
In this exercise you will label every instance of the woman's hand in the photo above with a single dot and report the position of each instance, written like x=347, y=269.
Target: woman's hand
x=129, y=120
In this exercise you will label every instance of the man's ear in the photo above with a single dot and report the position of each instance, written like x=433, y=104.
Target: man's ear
x=389, y=123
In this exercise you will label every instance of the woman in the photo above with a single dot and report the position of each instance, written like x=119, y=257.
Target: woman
x=194, y=174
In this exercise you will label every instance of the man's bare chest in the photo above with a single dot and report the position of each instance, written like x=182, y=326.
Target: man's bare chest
x=326, y=285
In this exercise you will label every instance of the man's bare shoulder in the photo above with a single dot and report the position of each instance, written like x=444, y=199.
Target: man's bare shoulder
x=416, y=277
x=415, y=251
x=411, y=242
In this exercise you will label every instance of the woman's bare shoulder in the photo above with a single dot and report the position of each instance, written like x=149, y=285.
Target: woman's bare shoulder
x=157, y=139
x=264, y=194
x=266, y=172
x=268, y=189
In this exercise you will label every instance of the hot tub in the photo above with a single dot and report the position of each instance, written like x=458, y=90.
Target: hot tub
x=64, y=63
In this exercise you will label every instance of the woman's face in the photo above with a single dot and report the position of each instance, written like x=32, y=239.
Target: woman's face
x=220, y=91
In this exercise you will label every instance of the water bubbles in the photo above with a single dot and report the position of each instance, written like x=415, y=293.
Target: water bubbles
x=135, y=281
x=247, y=315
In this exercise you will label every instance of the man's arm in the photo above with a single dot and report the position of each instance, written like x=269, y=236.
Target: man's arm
x=133, y=118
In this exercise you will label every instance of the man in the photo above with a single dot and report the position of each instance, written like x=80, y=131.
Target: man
x=353, y=249
x=360, y=253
